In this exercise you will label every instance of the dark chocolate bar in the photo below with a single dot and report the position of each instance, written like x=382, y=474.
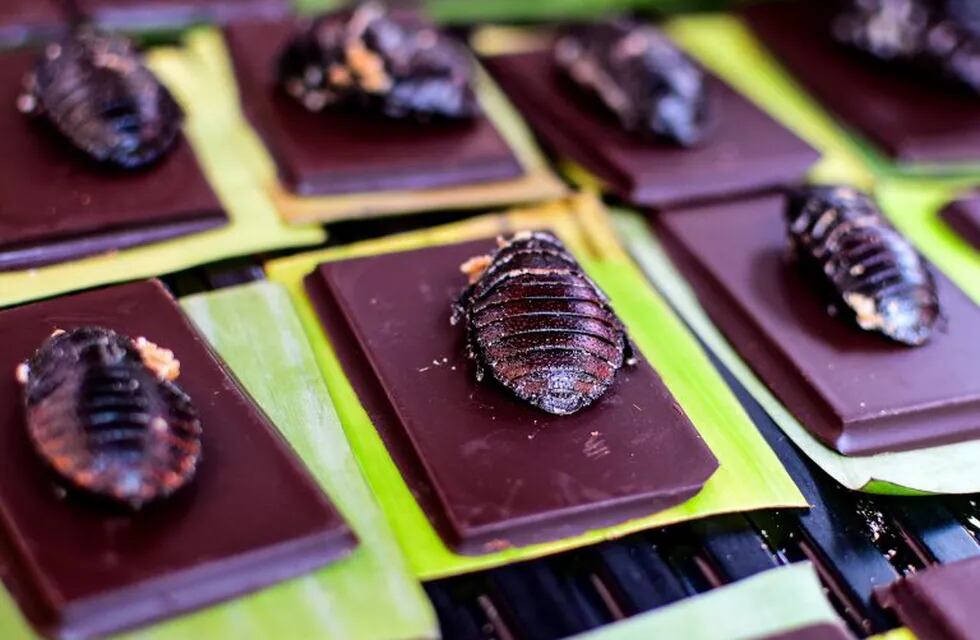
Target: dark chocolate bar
x=251, y=517
x=911, y=121
x=489, y=470
x=56, y=204
x=743, y=151
x=342, y=152
x=854, y=390
x=25, y=20
x=937, y=603
x=963, y=215
x=175, y=14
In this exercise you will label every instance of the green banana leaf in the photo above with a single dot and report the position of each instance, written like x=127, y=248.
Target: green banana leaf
x=255, y=330
x=254, y=224
x=772, y=602
x=944, y=469
x=750, y=476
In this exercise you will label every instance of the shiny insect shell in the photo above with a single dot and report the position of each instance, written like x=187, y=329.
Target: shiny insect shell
x=99, y=95
x=381, y=62
x=104, y=414
x=638, y=75
x=540, y=326
x=936, y=38
x=872, y=274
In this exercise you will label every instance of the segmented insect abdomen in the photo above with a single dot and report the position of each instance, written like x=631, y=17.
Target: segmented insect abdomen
x=638, y=75
x=873, y=272
x=540, y=326
x=106, y=422
x=100, y=96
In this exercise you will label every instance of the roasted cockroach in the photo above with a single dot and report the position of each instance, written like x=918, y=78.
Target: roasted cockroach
x=640, y=76
x=104, y=413
x=540, y=326
x=934, y=37
x=96, y=91
x=388, y=63
x=871, y=273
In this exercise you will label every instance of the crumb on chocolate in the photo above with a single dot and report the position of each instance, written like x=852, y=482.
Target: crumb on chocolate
x=474, y=267
x=497, y=544
x=159, y=360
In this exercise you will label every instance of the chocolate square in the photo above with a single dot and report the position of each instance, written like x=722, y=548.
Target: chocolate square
x=342, y=152
x=24, y=20
x=57, y=204
x=910, y=120
x=172, y=14
x=855, y=390
x=745, y=151
x=963, y=215
x=251, y=517
x=938, y=603
x=488, y=470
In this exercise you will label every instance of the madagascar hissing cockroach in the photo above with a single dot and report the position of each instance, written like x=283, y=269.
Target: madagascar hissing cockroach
x=104, y=413
x=539, y=325
x=640, y=76
x=96, y=91
x=871, y=272
x=385, y=62
x=936, y=38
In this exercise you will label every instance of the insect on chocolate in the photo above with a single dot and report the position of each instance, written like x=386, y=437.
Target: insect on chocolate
x=383, y=62
x=638, y=75
x=872, y=274
x=104, y=413
x=539, y=325
x=934, y=37
x=96, y=91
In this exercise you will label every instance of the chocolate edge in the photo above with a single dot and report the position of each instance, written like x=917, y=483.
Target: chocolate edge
x=917, y=616
x=45, y=253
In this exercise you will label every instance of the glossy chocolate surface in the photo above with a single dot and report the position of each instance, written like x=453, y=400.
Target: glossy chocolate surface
x=489, y=470
x=963, y=215
x=911, y=121
x=251, y=517
x=854, y=390
x=744, y=150
x=56, y=204
x=172, y=14
x=937, y=603
x=339, y=152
